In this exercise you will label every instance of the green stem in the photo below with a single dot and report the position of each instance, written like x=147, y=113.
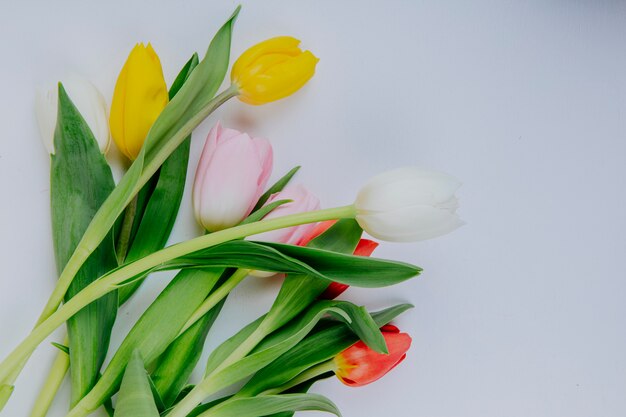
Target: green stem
x=53, y=382
x=207, y=386
x=111, y=281
x=312, y=372
x=215, y=297
x=127, y=226
x=112, y=207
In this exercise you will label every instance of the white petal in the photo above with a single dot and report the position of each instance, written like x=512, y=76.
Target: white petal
x=410, y=223
x=406, y=187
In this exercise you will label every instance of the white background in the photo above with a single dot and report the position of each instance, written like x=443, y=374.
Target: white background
x=520, y=312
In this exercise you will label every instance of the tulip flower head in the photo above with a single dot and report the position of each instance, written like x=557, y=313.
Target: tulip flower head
x=359, y=365
x=302, y=201
x=408, y=204
x=139, y=97
x=272, y=69
x=231, y=176
x=89, y=102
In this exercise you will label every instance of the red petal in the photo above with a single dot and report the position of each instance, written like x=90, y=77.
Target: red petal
x=359, y=365
x=316, y=231
x=365, y=247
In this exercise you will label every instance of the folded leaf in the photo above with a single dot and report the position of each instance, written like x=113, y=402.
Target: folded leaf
x=317, y=347
x=135, y=399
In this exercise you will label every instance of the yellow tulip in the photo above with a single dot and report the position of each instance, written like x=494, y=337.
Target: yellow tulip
x=272, y=69
x=139, y=97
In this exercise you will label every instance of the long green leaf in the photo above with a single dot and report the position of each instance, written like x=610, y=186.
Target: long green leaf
x=81, y=180
x=159, y=200
x=352, y=270
x=135, y=399
x=271, y=404
x=175, y=365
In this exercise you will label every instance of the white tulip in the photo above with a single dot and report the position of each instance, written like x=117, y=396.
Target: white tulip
x=89, y=102
x=408, y=204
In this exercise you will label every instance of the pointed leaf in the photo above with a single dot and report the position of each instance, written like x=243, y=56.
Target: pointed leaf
x=135, y=399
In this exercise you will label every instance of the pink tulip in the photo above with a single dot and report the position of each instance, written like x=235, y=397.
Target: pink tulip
x=303, y=200
x=231, y=176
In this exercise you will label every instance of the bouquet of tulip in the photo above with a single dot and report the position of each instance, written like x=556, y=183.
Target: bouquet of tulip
x=108, y=238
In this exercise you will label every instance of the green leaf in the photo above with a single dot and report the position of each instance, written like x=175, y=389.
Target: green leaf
x=135, y=399
x=301, y=389
x=156, y=328
x=271, y=404
x=81, y=181
x=189, y=106
x=352, y=270
x=264, y=211
x=175, y=365
x=225, y=349
x=277, y=187
x=159, y=200
x=61, y=347
x=317, y=347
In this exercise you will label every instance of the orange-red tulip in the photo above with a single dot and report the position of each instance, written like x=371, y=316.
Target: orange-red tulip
x=359, y=365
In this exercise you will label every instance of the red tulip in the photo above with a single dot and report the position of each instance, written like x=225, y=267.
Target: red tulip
x=359, y=365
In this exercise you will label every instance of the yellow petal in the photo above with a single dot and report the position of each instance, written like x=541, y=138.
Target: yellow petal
x=140, y=96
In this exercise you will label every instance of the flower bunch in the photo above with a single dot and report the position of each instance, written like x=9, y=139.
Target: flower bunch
x=110, y=237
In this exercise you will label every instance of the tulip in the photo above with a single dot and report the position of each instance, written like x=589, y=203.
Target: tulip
x=139, y=97
x=231, y=176
x=272, y=69
x=359, y=365
x=302, y=200
x=408, y=204
x=89, y=102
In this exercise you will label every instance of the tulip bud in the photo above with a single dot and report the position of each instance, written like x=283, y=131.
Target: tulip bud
x=408, y=204
x=359, y=365
x=139, y=97
x=89, y=102
x=231, y=176
x=302, y=201
x=272, y=69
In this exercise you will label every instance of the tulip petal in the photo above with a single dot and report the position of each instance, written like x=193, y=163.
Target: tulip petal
x=410, y=223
